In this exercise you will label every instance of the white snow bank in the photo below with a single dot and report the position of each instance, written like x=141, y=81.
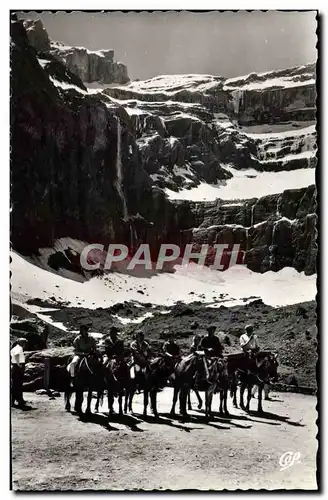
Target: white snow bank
x=67, y=86
x=284, y=134
x=242, y=187
x=283, y=82
x=285, y=287
x=171, y=84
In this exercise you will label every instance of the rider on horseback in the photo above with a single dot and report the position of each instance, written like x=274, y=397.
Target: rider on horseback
x=248, y=341
x=211, y=343
x=140, y=352
x=195, y=346
x=84, y=345
x=171, y=349
x=114, y=347
x=211, y=346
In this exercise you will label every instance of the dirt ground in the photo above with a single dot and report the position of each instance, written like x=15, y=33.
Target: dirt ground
x=55, y=450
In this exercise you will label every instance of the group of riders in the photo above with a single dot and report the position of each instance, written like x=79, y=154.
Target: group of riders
x=141, y=355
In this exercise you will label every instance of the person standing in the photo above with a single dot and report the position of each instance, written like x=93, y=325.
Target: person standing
x=17, y=371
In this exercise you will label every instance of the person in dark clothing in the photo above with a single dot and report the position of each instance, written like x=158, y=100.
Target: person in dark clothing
x=211, y=346
x=171, y=349
x=113, y=345
x=211, y=343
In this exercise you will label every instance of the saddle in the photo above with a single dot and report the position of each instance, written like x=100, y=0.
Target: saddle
x=82, y=361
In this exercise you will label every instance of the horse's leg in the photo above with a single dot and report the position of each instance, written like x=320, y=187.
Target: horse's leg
x=200, y=401
x=209, y=397
x=206, y=404
x=225, y=397
x=153, y=399
x=249, y=396
x=110, y=403
x=175, y=398
x=241, y=395
x=188, y=400
x=221, y=402
x=183, y=401
x=100, y=399
x=89, y=399
x=259, y=405
x=79, y=401
x=130, y=402
x=233, y=390
x=68, y=400
x=126, y=398
x=120, y=400
x=145, y=401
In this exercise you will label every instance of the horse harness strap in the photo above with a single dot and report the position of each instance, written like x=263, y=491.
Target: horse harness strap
x=84, y=359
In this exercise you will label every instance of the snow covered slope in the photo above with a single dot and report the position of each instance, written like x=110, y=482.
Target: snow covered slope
x=227, y=288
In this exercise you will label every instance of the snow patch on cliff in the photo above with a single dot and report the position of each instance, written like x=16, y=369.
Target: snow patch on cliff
x=247, y=184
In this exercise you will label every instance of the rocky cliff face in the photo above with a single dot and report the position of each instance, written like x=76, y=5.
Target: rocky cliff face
x=89, y=66
x=106, y=166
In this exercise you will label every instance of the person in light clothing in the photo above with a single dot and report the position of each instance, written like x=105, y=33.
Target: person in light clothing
x=248, y=341
x=17, y=371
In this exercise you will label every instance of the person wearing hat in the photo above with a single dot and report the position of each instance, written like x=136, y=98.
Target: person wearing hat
x=17, y=371
x=248, y=341
x=113, y=345
x=211, y=344
x=195, y=345
x=140, y=348
x=84, y=345
x=140, y=353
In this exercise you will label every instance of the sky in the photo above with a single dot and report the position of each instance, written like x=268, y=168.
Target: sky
x=219, y=43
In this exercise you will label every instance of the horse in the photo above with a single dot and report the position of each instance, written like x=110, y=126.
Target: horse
x=87, y=378
x=184, y=380
x=218, y=380
x=151, y=379
x=257, y=369
x=116, y=381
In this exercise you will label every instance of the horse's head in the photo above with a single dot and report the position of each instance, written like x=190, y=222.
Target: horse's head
x=217, y=368
x=269, y=366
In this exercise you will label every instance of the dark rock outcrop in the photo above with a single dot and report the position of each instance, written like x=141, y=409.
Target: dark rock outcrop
x=37, y=35
x=89, y=66
x=65, y=147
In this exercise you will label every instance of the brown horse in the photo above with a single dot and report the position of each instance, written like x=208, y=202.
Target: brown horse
x=88, y=377
x=257, y=369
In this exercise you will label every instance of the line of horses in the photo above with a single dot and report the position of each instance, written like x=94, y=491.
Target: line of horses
x=185, y=374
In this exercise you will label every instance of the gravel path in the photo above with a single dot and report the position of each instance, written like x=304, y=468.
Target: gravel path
x=54, y=450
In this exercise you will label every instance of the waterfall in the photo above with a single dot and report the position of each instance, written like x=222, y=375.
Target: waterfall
x=119, y=173
x=237, y=99
x=133, y=238
x=278, y=214
x=272, y=247
x=252, y=215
